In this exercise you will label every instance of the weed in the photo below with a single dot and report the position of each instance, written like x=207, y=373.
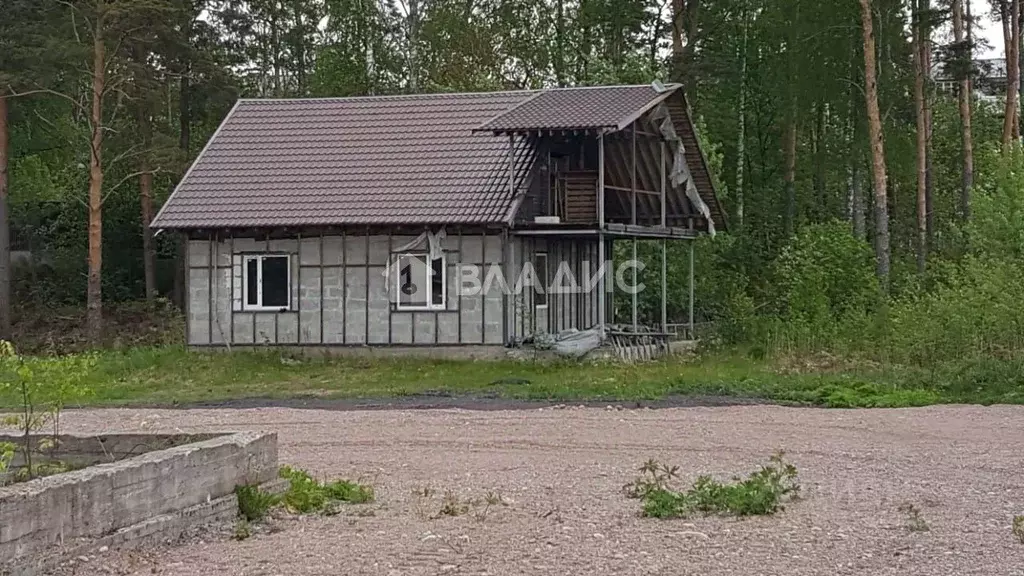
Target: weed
x=654, y=476
x=761, y=493
x=242, y=529
x=253, y=503
x=915, y=522
x=452, y=505
x=1018, y=528
x=305, y=494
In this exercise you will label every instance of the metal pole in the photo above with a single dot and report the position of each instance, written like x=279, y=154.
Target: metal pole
x=601, y=311
x=691, y=290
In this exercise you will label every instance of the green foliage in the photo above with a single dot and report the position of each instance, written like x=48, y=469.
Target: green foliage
x=1018, y=528
x=762, y=493
x=41, y=389
x=306, y=494
x=254, y=503
x=825, y=274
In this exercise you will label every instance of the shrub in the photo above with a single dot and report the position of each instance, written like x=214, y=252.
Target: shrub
x=761, y=493
x=824, y=274
x=253, y=503
x=305, y=494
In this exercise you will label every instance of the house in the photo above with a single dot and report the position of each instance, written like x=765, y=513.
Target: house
x=988, y=78
x=407, y=221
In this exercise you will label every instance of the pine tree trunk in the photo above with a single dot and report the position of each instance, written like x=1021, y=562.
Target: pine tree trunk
x=922, y=143
x=94, y=294
x=964, y=100
x=926, y=59
x=5, y=228
x=879, y=178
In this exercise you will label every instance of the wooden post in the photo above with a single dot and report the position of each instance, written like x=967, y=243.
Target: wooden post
x=691, y=291
x=632, y=178
x=632, y=191
x=601, y=310
x=663, y=183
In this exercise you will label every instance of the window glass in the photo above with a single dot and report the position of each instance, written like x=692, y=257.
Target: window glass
x=413, y=285
x=252, y=295
x=275, y=281
x=437, y=288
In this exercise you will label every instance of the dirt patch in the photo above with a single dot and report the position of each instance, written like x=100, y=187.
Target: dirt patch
x=448, y=401
x=559, y=475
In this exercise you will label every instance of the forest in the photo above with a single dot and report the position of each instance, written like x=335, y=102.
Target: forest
x=869, y=164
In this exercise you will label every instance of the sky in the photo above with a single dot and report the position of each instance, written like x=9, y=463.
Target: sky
x=992, y=32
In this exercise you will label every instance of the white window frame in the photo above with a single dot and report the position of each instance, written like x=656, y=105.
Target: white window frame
x=259, y=307
x=542, y=275
x=430, y=285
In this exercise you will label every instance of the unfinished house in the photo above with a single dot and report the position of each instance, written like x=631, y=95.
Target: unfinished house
x=408, y=221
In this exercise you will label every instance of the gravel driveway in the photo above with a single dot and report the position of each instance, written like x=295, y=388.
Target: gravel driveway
x=560, y=474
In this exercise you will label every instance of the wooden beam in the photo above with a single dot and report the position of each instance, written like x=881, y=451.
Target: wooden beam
x=601, y=311
x=632, y=186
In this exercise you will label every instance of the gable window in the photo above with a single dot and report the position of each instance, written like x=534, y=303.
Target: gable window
x=540, y=267
x=268, y=280
x=420, y=286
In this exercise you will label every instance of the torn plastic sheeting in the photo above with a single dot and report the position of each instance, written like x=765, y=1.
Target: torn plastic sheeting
x=435, y=250
x=577, y=343
x=680, y=175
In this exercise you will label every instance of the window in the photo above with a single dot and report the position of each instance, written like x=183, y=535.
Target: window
x=419, y=286
x=268, y=282
x=540, y=266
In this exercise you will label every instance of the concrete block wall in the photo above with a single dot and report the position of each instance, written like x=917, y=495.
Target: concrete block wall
x=37, y=516
x=340, y=294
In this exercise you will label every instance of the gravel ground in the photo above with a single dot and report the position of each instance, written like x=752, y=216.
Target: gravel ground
x=560, y=474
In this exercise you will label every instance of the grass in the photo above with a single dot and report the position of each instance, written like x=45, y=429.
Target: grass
x=173, y=376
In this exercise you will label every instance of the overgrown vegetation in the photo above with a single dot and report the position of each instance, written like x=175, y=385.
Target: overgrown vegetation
x=1018, y=528
x=305, y=495
x=762, y=493
x=39, y=390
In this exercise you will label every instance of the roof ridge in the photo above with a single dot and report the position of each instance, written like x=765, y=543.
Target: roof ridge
x=389, y=96
x=533, y=91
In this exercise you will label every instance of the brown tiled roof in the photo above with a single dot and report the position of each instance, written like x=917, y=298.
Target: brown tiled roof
x=378, y=160
x=337, y=161
x=577, y=109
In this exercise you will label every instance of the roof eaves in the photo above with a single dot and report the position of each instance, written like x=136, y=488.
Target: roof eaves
x=482, y=127
x=669, y=91
x=195, y=163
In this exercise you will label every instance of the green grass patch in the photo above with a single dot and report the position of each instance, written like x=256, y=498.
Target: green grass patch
x=173, y=376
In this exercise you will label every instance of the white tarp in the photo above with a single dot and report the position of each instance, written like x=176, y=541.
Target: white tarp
x=680, y=175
